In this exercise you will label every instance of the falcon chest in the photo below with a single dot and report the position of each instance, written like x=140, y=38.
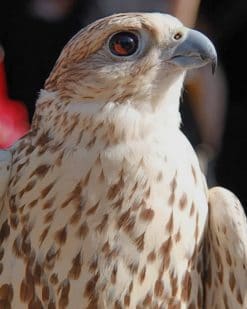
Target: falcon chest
x=117, y=224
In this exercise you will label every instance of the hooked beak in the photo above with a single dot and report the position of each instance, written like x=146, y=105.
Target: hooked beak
x=194, y=51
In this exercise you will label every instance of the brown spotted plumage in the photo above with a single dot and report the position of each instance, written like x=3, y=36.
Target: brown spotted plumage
x=102, y=203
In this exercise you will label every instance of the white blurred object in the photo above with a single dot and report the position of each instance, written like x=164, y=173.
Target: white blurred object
x=113, y=6
x=51, y=10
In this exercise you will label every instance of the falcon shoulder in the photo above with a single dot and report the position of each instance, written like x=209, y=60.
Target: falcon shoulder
x=226, y=252
x=5, y=169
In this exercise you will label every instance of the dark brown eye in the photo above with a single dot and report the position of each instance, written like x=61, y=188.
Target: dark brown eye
x=123, y=44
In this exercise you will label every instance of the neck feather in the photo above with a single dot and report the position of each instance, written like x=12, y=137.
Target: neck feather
x=120, y=122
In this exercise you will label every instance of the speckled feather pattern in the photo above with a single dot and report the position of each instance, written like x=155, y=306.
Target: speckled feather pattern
x=106, y=206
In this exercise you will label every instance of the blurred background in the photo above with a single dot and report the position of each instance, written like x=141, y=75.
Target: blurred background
x=33, y=33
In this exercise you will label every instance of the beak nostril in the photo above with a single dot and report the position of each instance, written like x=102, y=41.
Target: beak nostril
x=177, y=36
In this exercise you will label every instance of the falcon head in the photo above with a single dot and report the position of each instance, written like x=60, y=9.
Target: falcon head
x=131, y=57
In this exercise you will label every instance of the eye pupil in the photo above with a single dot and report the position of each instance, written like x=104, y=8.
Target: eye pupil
x=123, y=44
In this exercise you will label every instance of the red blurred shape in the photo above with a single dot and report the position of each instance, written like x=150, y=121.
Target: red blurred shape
x=13, y=114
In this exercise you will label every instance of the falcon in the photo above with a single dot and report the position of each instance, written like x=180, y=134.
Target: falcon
x=103, y=203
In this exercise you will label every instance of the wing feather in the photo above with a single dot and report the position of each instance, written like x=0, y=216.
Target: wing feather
x=226, y=252
x=5, y=169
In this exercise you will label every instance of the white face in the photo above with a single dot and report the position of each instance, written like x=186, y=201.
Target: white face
x=123, y=58
x=132, y=63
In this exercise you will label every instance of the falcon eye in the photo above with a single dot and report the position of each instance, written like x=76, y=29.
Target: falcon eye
x=123, y=44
